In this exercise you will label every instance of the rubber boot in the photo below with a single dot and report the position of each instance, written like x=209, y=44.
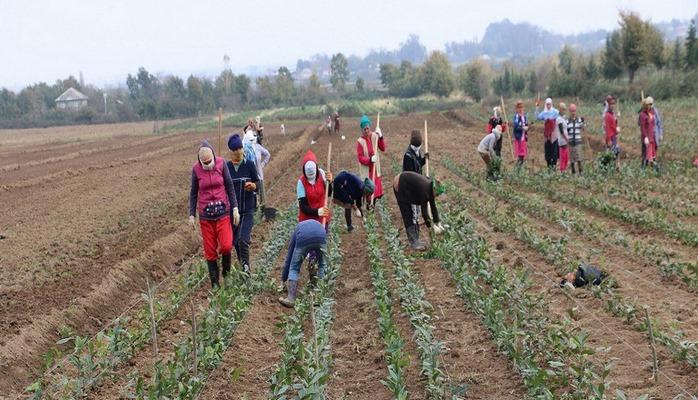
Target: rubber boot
x=290, y=299
x=225, y=264
x=213, y=272
x=413, y=237
x=245, y=257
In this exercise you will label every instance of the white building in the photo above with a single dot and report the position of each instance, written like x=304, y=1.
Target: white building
x=71, y=99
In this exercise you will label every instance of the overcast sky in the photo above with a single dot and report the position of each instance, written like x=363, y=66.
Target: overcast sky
x=43, y=40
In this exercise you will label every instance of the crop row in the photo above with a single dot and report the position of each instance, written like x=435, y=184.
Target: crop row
x=551, y=356
x=554, y=251
x=646, y=220
x=304, y=368
x=417, y=307
x=184, y=375
x=92, y=359
x=573, y=220
x=393, y=341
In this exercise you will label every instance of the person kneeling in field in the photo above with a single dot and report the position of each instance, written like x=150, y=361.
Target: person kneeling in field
x=584, y=275
x=348, y=193
x=487, y=151
x=212, y=197
x=411, y=188
x=308, y=236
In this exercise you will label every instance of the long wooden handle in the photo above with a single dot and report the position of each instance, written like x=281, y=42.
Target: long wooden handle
x=511, y=142
x=327, y=181
x=426, y=146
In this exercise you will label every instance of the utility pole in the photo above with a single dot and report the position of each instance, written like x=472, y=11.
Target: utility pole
x=105, y=103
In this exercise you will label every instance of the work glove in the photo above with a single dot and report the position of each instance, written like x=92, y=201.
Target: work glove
x=617, y=129
x=374, y=158
x=236, y=216
x=378, y=131
x=250, y=186
x=192, y=221
x=358, y=213
x=525, y=128
x=647, y=141
x=439, y=229
x=323, y=211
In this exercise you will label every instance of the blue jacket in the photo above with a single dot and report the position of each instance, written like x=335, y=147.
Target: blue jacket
x=246, y=172
x=309, y=233
x=519, y=123
x=347, y=187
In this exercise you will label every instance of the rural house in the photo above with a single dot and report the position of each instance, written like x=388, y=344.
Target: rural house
x=71, y=99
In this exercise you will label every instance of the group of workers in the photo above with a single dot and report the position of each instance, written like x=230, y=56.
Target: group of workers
x=225, y=196
x=563, y=131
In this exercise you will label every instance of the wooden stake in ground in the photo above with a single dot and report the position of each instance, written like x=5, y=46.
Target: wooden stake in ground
x=193, y=336
x=642, y=96
x=655, y=367
x=220, y=128
x=153, y=331
x=426, y=147
x=327, y=181
x=511, y=142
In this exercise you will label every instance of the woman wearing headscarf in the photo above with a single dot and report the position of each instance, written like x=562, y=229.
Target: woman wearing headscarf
x=243, y=173
x=648, y=123
x=486, y=150
x=563, y=140
x=261, y=159
x=549, y=116
x=496, y=119
x=348, y=192
x=520, y=124
x=367, y=146
x=211, y=196
x=310, y=191
x=414, y=159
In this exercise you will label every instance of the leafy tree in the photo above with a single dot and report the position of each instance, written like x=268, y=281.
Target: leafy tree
x=590, y=71
x=360, y=84
x=242, y=86
x=283, y=86
x=613, y=57
x=471, y=80
x=532, y=82
x=340, y=71
x=412, y=50
x=437, y=75
x=677, y=59
x=691, y=47
x=195, y=92
x=641, y=43
x=565, y=60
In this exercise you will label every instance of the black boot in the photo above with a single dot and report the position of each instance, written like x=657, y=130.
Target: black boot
x=225, y=263
x=213, y=272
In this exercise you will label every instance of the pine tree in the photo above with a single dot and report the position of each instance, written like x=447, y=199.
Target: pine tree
x=613, y=57
x=691, y=47
x=677, y=60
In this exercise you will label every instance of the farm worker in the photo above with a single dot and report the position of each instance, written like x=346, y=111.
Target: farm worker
x=243, y=172
x=563, y=140
x=486, y=149
x=310, y=191
x=610, y=123
x=575, y=127
x=411, y=188
x=249, y=126
x=283, y=129
x=549, y=115
x=336, y=122
x=647, y=128
x=520, y=123
x=496, y=119
x=328, y=125
x=414, y=159
x=584, y=275
x=261, y=159
x=308, y=236
x=658, y=128
x=348, y=191
x=369, y=160
x=259, y=129
x=212, y=197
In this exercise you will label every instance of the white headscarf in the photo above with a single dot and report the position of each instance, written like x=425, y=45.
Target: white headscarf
x=548, y=101
x=310, y=169
x=205, y=152
x=250, y=137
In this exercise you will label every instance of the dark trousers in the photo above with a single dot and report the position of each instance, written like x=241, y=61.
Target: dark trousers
x=552, y=153
x=407, y=213
x=242, y=235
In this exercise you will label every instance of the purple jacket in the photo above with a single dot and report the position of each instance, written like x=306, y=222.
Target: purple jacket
x=211, y=186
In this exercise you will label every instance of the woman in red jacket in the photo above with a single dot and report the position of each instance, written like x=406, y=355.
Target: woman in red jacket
x=369, y=160
x=647, y=127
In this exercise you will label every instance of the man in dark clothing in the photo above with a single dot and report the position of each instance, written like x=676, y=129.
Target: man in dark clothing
x=584, y=275
x=244, y=176
x=414, y=160
x=348, y=192
x=410, y=189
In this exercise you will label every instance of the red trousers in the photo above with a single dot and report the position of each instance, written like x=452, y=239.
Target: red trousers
x=564, y=157
x=217, y=236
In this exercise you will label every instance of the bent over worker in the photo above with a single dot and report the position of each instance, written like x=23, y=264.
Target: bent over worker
x=348, y=191
x=308, y=236
x=411, y=188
